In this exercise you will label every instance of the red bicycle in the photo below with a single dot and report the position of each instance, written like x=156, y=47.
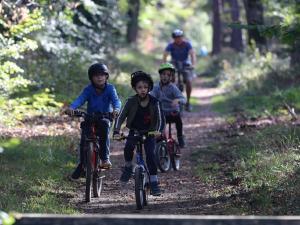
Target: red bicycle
x=168, y=152
x=93, y=177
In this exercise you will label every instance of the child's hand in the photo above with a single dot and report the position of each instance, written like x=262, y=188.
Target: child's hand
x=156, y=134
x=115, y=114
x=175, y=102
x=69, y=111
x=117, y=135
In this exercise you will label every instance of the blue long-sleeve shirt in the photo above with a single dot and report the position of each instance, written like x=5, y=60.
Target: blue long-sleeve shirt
x=106, y=101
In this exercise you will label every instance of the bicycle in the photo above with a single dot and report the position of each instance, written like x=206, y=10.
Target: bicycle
x=181, y=70
x=167, y=152
x=141, y=172
x=91, y=161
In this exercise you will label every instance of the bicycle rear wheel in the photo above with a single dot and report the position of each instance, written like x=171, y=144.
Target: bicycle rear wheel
x=139, y=187
x=175, y=157
x=162, y=157
x=89, y=172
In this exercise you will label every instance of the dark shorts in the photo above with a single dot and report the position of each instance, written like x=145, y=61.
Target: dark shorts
x=188, y=75
x=188, y=71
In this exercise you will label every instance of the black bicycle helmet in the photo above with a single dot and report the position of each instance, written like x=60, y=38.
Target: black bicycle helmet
x=177, y=33
x=97, y=68
x=141, y=76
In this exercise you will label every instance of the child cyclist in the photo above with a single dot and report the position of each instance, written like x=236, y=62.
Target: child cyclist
x=101, y=98
x=170, y=97
x=142, y=113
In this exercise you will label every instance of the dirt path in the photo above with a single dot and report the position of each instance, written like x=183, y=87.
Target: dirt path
x=183, y=193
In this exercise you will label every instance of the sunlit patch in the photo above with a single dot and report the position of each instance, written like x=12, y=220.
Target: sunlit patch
x=1, y=150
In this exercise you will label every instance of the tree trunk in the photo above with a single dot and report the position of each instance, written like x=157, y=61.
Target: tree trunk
x=216, y=27
x=236, y=35
x=255, y=16
x=133, y=20
x=295, y=54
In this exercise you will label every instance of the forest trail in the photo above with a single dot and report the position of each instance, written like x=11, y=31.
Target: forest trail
x=183, y=191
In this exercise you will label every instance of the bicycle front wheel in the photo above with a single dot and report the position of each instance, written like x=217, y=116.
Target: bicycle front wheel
x=97, y=184
x=175, y=157
x=139, y=187
x=162, y=157
x=89, y=172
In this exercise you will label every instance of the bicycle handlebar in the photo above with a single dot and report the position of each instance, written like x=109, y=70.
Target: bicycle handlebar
x=85, y=115
x=137, y=134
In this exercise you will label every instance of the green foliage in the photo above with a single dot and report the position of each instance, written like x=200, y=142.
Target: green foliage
x=283, y=21
x=160, y=19
x=32, y=175
x=76, y=35
x=258, y=168
x=6, y=219
x=255, y=84
x=13, y=46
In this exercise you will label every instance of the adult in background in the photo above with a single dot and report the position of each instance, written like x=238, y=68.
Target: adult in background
x=182, y=53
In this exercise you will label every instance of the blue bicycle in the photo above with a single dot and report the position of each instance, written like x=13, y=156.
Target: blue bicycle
x=141, y=172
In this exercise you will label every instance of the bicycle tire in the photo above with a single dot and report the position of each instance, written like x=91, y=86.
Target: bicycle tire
x=162, y=157
x=97, y=184
x=89, y=172
x=97, y=179
x=139, y=187
x=180, y=84
x=175, y=158
x=146, y=190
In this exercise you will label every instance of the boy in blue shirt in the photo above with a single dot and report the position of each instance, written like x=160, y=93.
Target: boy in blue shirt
x=101, y=98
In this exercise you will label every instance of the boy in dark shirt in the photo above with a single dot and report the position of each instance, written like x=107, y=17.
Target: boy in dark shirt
x=142, y=113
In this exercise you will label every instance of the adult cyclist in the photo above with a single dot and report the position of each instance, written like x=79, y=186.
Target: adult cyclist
x=181, y=51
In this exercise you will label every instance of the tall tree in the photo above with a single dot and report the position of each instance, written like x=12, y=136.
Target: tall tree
x=236, y=35
x=216, y=27
x=133, y=20
x=295, y=54
x=255, y=16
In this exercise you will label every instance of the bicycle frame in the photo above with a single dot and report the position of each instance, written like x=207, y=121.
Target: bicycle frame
x=92, y=139
x=91, y=151
x=139, y=153
x=180, y=71
x=141, y=172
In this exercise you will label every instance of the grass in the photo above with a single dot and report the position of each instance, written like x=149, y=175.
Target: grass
x=259, y=171
x=258, y=104
x=33, y=175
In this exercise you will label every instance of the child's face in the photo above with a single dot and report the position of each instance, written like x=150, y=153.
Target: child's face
x=142, y=88
x=165, y=76
x=99, y=79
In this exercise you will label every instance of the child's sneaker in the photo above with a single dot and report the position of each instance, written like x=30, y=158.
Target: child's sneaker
x=78, y=172
x=126, y=174
x=181, y=141
x=188, y=107
x=105, y=164
x=154, y=189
